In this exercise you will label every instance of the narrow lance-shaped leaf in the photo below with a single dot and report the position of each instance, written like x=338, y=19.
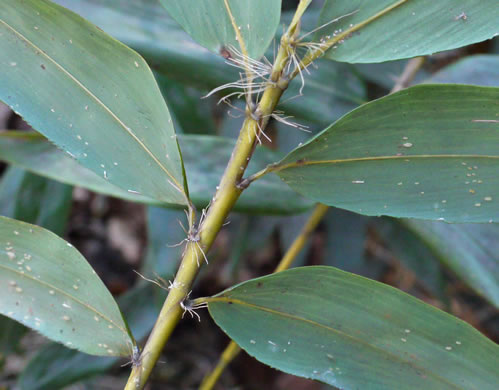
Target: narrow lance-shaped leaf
x=92, y=96
x=479, y=69
x=219, y=24
x=471, y=251
x=146, y=27
x=429, y=152
x=353, y=333
x=385, y=30
x=34, y=199
x=269, y=195
x=47, y=285
x=55, y=367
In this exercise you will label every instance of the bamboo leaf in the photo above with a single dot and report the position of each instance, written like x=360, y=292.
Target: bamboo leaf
x=352, y=332
x=162, y=225
x=428, y=152
x=471, y=251
x=386, y=30
x=92, y=96
x=414, y=257
x=268, y=196
x=55, y=367
x=385, y=74
x=247, y=25
x=480, y=69
x=345, y=246
x=147, y=28
x=52, y=289
x=34, y=199
x=11, y=333
x=32, y=152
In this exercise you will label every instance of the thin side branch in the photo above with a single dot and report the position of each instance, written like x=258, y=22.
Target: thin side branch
x=410, y=71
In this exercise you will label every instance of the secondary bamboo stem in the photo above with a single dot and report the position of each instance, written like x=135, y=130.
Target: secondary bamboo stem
x=232, y=350
x=410, y=70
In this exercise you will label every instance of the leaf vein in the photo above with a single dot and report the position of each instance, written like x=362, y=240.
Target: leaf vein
x=99, y=102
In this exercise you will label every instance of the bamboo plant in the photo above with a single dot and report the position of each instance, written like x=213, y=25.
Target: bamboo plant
x=428, y=152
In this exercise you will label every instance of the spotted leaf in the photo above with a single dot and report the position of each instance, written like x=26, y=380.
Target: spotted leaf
x=385, y=30
x=47, y=285
x=353, y=333
x=429, y=152
x=247, y=25
x=90, y=95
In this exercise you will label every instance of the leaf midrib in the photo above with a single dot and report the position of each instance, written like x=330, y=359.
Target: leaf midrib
x=339, y=332
x=306, y=162
x=99, y=102
x=62, y=292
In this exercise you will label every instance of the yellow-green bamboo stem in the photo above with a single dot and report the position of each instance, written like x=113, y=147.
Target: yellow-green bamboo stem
x=412, y=67
x=232, y=350
x=225, y=197
x=228, y=355
x=300, y=241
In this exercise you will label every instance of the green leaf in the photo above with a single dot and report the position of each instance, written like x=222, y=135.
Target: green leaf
x=92, y=96
x=147, y=28
x=32, y=152
x=205, y=160
x=396, y=29
x=52, y=289
x=11, y=333
x=428, y=152
x=190, y=114
x=386, y=74
x=34, y=199
x=353, y=333
x=345, y=246
x=330, y=91
x=219, y=24
x=414, y=256
x=55, y=367
x=471, y=251
x=163, y=233
x=480, y=69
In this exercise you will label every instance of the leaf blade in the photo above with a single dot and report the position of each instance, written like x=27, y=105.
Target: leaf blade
x=219, y=24
x=376, y=160
x=397, y=29
x=32, y=152
x=52, y=289
x=143, y=27
x=55, y=367
x=471, y=251
x=348, y=331
x=46, y=45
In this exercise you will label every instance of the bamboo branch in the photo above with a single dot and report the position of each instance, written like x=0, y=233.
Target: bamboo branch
x=226, y=196
x=410, y=71
x=232, y=350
